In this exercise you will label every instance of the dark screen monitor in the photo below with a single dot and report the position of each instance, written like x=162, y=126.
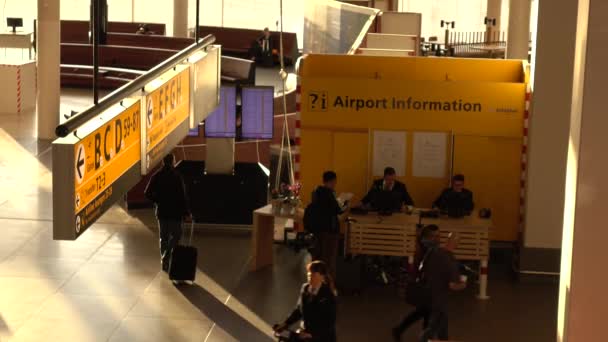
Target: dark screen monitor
x=14, y=23
x=386, y=202
x=258, y=112
x=221, y=123
x=455, y=205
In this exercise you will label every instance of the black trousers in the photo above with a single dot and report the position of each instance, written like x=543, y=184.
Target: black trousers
x=413, y=317
x=437, y=327
x=326, y=250
x=170, y=232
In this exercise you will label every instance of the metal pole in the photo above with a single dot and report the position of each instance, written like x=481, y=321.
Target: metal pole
x=96, y=31
x=198, y=14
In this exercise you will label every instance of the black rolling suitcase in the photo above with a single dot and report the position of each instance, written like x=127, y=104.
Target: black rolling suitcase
x=182, y=266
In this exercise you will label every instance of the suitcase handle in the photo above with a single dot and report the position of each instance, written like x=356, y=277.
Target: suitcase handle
x=191, y=232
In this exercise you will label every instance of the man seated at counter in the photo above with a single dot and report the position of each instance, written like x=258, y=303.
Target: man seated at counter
x=455, y=201
x=387, y=194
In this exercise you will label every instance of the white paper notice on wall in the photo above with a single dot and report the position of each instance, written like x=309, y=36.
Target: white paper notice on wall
x=389, y=150
x=430, y=154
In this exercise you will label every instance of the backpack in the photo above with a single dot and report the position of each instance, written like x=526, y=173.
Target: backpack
x=310, y=219
x=418, y=290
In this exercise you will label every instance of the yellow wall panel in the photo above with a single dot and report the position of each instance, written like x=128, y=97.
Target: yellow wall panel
x=317, y=146
x=491, y=166
x=412, y=68
x=350, y=154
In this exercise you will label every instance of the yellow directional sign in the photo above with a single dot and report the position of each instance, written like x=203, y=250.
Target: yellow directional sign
x=105, y=154
x=104, y=158
x=167, y=108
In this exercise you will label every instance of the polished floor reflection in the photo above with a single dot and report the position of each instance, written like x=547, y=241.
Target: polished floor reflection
x=106, y=286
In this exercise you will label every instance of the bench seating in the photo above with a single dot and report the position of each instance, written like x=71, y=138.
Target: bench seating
x=77, y=31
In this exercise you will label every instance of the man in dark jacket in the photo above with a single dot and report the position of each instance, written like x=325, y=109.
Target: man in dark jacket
x=442, y=275
x=327, y=226
x=166, y=189
x=456, y=199
x=389, y=184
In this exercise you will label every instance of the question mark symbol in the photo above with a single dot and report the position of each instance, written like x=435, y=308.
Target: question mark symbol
x=315, y=97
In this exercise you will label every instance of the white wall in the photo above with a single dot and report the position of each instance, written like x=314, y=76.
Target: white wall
x=468, y=14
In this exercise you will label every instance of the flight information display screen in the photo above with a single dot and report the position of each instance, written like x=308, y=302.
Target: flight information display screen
x=221, y=123
x=258, y=112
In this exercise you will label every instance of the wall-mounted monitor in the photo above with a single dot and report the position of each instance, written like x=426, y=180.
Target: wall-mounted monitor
x=221, y=123
x=258, y=112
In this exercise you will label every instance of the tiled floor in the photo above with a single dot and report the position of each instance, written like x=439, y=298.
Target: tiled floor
x=106, y=286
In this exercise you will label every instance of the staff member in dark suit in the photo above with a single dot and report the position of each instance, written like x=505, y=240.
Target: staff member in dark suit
x=262, y=48
x=457, y=198
x=391, y=184
x=167, y=191
x=316, y=306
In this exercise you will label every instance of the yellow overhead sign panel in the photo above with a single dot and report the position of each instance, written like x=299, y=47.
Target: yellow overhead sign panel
x=103, y=156
x=167, y=108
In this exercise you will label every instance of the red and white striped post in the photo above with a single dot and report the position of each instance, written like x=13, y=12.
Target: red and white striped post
x=19, y=90
x=296, y=148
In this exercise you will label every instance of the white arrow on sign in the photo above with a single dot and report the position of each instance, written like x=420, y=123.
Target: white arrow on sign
x=80, y=161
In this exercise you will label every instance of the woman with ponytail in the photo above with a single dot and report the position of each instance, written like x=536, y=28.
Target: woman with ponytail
x=316, y=306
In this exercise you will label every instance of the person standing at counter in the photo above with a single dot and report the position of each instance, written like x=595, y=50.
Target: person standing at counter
x=388, y=184
x=456, y=199
x=321, y=219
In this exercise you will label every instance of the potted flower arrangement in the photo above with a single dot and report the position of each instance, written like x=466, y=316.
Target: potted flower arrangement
x=286, y=198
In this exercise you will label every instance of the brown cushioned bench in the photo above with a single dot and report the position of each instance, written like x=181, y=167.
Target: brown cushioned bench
x=77, y=31
x=125, y=57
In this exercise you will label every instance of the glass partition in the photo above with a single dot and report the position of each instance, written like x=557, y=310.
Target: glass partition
x=335, y=27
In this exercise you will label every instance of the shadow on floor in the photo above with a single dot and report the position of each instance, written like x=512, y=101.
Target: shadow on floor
x=230, y=321
x=3, y=327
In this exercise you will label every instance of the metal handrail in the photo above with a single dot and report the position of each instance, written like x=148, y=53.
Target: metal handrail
x=109, y=100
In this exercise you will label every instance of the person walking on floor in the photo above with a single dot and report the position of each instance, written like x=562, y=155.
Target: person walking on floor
x=316, y=307
x=441, y=275
x=167, y=191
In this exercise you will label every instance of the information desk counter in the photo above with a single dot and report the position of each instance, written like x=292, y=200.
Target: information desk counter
x=262, y=237
x=395, y=235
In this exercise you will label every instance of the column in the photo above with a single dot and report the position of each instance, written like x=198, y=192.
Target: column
x=494, y=12
x=583, y=304
x=548, y=136
x=180, y=18
x=519, y=29
x=48, y=52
